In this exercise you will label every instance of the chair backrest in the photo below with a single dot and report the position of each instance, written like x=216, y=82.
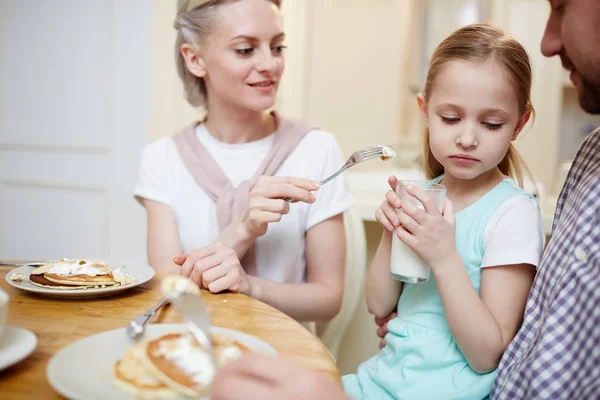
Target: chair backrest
x=333, y=332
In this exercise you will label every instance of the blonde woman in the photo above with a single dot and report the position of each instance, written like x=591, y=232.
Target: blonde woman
x=214, y=192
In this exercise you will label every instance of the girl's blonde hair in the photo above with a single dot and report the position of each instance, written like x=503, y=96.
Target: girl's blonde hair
x=480, y=42
x=194, y=21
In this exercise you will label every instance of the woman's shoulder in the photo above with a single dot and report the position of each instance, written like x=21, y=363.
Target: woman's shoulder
x=162, y=148
x=319, y=137
x=160, y=155
x=317, y=144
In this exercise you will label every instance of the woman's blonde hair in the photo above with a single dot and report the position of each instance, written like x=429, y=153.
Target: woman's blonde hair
x=480, y=42
x=194, y=21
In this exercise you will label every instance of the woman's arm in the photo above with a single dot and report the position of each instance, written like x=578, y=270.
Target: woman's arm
x=265, y=206
x=382, y=290
x=216, y=267
x=162, y=237
x=483, y=325
x=320, y=298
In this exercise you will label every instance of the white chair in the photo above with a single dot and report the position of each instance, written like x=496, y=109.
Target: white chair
x=332, y=333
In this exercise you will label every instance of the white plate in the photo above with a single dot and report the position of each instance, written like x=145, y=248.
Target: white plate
x=83, y=370
x=141, y=272
x=15, y=345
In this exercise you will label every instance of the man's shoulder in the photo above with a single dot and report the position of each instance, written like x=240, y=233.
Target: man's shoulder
x=589, y=150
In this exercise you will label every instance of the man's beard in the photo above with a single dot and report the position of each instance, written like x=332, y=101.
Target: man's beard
x=589, y=96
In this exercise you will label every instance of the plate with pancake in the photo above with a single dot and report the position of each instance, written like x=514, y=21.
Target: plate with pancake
x=80, y=277
x=166, y=363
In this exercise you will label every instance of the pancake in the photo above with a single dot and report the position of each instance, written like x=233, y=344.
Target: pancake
x=78, y=274
x=85, y=280
x=40, y=280
x=130, y=376
x=179, y=361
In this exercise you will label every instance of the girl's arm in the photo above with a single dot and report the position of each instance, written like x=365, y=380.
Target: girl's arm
x=162, y=237
x=382, y=290
x=320, y=298
x=483, y=325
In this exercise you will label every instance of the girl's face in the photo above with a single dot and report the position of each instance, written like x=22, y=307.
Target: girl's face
x=243, y=55
x=472, y=116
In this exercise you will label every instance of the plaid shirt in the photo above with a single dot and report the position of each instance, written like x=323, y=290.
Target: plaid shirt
x=556, y=353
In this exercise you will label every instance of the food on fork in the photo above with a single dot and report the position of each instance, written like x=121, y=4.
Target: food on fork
x=174, y=363
x=78, y=274
x=388, y=153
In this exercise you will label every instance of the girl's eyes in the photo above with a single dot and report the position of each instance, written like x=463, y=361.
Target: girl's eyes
x=489, y=125
x=450, y=120
x=249, y=50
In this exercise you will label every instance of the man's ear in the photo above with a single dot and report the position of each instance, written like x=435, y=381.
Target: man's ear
x=193, y=60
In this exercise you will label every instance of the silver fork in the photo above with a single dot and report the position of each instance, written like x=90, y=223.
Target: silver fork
x=24, y=264
x=368, y=153
x=136, y=326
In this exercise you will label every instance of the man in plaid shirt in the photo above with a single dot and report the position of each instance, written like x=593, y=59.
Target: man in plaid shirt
x=556, y=353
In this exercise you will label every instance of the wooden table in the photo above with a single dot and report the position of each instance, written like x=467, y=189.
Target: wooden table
x=59, y=322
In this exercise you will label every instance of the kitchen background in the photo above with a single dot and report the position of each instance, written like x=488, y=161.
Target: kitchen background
x=84, y=85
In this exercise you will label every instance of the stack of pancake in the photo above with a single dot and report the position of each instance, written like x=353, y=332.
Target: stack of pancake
x=69, y=274
x=173, y=365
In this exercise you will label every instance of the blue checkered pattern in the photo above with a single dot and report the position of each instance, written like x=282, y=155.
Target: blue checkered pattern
x=556, y=353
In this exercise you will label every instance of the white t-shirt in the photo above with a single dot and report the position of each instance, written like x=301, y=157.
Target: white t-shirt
x=281, y=254
x=514, y=234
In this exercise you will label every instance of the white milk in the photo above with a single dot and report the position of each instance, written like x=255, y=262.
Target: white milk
x=405, y=265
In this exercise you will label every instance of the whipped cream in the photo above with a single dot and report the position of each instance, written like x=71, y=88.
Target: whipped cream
x=228, y=354
x=177, y=286
x=191, y=359
x=68, y=267
x=17, y=277
x=388, y=153
x=122, y=277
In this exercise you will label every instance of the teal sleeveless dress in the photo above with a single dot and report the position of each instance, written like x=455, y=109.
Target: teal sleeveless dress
x=421, y=360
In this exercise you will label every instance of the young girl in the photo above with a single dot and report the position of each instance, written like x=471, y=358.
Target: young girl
x=451, y=331
x=214, y=191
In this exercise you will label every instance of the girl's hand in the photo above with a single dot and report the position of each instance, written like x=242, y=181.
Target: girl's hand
x=382, y=327
x=428, y=233
x=267, y=202
x=216, y=268
x=387, y=213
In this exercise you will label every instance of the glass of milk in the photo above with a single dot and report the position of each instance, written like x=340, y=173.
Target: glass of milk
x=405, y=265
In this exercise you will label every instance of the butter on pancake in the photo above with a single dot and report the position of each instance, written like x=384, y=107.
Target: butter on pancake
x=79, y=274
x=130, y=376
x=179, y=361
